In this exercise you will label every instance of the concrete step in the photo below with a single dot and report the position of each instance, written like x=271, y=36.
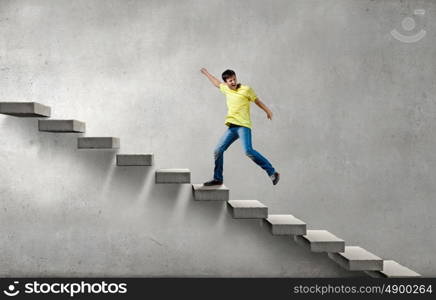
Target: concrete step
x=25, y=109
x=247, y=209
x=210, y=193
x=173, y=176
x=53, y=125
x=392, y=269
x=355, y=258
x=98, y=143
x=285, y=225
x=135, y=159
x=320, y=241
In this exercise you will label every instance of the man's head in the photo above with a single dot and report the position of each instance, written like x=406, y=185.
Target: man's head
x=229, y=77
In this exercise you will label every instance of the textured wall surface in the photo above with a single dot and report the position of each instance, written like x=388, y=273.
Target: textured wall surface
x=353, y=134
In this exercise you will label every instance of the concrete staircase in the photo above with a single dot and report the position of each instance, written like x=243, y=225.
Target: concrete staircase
x=52, y=125
x=173, y=176
x=285, y=225
x=355, y=258
x=320, y=241
x=98, y=143
x=129, y=160
x=25, y=109
x=392, y=269
x=210, y=193
x=352, y=258
x=247, y=209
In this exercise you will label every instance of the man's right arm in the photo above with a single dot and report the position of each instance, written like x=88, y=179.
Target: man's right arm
x=212, y=79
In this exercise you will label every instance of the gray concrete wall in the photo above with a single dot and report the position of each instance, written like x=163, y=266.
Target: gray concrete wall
x=353, y=134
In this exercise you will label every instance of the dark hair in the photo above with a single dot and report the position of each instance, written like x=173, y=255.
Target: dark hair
x=227, y=74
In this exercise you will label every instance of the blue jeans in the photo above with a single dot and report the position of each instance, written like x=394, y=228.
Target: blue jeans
x=231, y=135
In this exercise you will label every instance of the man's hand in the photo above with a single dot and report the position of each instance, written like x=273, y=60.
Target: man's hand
x=212, y=79
x=264, y=108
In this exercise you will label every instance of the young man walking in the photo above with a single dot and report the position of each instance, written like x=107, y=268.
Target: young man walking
x=238, y=121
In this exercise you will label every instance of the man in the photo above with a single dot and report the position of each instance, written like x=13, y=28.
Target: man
x=238, y=121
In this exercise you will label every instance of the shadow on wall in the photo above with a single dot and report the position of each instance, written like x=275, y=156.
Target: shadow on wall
x=60, y=145
x=128, y=184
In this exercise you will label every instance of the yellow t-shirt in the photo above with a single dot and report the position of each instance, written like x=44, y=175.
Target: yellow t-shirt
x=238, y=104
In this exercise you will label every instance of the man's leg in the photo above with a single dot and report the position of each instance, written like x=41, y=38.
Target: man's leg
x=245, y=135
x=226, y=140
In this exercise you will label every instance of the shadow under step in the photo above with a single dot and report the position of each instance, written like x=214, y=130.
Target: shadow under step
x=98, y=143
x=355, y=258
x=392, y=269
x=320, y=241
x=247, y=209
x=285, y=225
x=210, y=193
x=135, y=159
x=25, y=109
x=54, y=125
x=173, y=176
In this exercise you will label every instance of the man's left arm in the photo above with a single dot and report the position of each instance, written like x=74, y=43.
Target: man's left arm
x=264, y=108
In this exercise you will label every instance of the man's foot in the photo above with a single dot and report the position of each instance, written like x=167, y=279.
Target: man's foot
x=213, y=182
x=275, y=178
